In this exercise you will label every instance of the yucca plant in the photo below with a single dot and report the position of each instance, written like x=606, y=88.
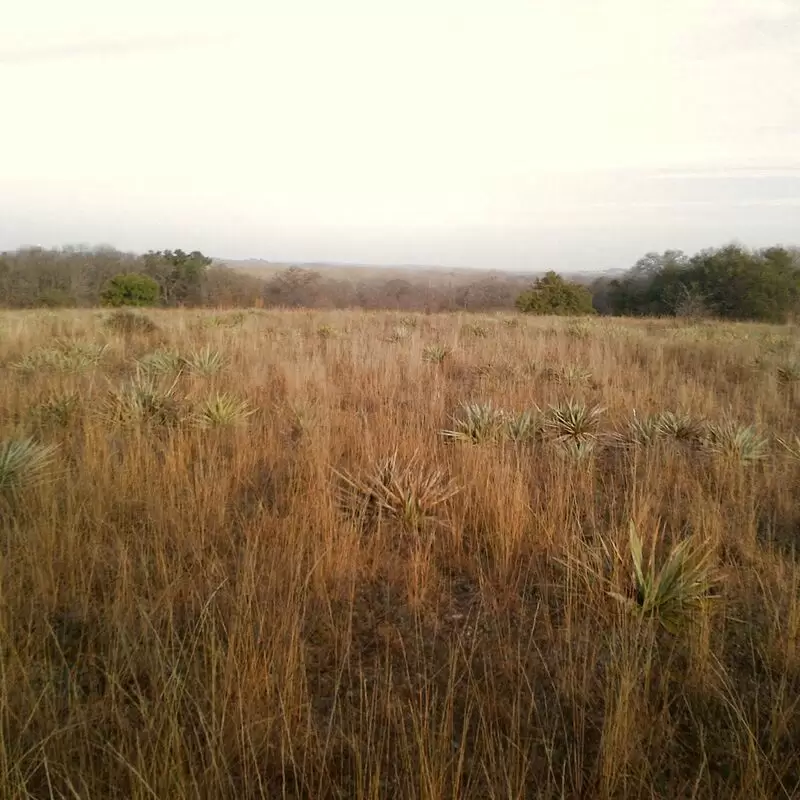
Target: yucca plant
x=232, y=320
x=143, y=399
x=570, y=375
x=130, y=323
x=791, y=446
x=575, y=450
x=399, y=334
x=573, y=420
x=642, y=431
x=63, y=357
x=476, y=423
x=222, y=410
x=82, y=355
x=522, y=427
x=23, y=462
x=789, y=372
x=478, y=331
x=579, y=330
x=204, y=362
x=435, y=353
x=409, y=321
x=41, y=359
x=57, y=410
x=732, y=441
x=680, y=427
x=676, y=592
x=160, y=362
x=407, y=491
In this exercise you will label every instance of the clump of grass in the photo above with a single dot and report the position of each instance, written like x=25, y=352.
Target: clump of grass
x=570, y=375
x=578, y=329
x=161, y=362
x=222, y=410
x=130, y=323
x=476, y=423
x=57, y=411
x=399, y=334
x=232, y=320
x=205, y=362
x=573, y=420
x=681, y=427
x=409, y=321
x=62, y=357
x=734, y=442
x=576, y=450
x=435, y=353
x=23, y=463
x=789, y=372
x=326, y=332
x=475, y=330
x=144, y=400
x=522, y=427
x=673, y=594
x=642, y=431
x=791, y=446
x=406, y=491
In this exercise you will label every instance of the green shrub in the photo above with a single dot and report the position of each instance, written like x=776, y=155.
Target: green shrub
x=130, y=289
x=551, y=294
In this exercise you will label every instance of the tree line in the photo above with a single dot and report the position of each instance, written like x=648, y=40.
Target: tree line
x=729, y=282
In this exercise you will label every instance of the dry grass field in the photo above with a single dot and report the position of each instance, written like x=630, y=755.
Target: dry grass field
x=239, y=557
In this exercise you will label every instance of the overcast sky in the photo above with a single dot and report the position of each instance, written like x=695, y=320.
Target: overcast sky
x=492, y=133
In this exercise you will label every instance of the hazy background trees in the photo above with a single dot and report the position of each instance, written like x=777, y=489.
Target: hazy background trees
x=730, y=282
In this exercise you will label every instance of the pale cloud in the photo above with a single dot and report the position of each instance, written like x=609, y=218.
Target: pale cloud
x=308, y=124
x=102, y=48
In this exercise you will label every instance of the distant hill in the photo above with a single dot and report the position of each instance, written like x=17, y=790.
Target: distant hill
x=369, y=272
x=434, y=275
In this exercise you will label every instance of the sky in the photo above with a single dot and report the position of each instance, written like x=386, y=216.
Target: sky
x=507, y=134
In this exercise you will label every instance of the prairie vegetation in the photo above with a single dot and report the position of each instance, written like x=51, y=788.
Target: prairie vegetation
x=291, y=554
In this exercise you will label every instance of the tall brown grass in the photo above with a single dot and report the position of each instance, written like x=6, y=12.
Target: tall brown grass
x=191, y=610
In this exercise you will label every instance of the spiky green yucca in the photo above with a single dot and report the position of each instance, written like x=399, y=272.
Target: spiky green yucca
x=570, y=375
x=399, y=334
x=223, y=410
x=680, y=426
x=130, y=323
x=644, y=431
x=576, y=450
x=573, y=420
x=63, y=357
x=478, y=331
x=675, y=593
x=435, y=353
x=791, y=446
x=521, y=427
x=476, y=423
x=144, y=400
x=160, y=362
x=789, y=372
x=204, y=362
x=407, y=491
x=58, y=410
x=741, y=443
x=23, y=462
x=409, y=321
